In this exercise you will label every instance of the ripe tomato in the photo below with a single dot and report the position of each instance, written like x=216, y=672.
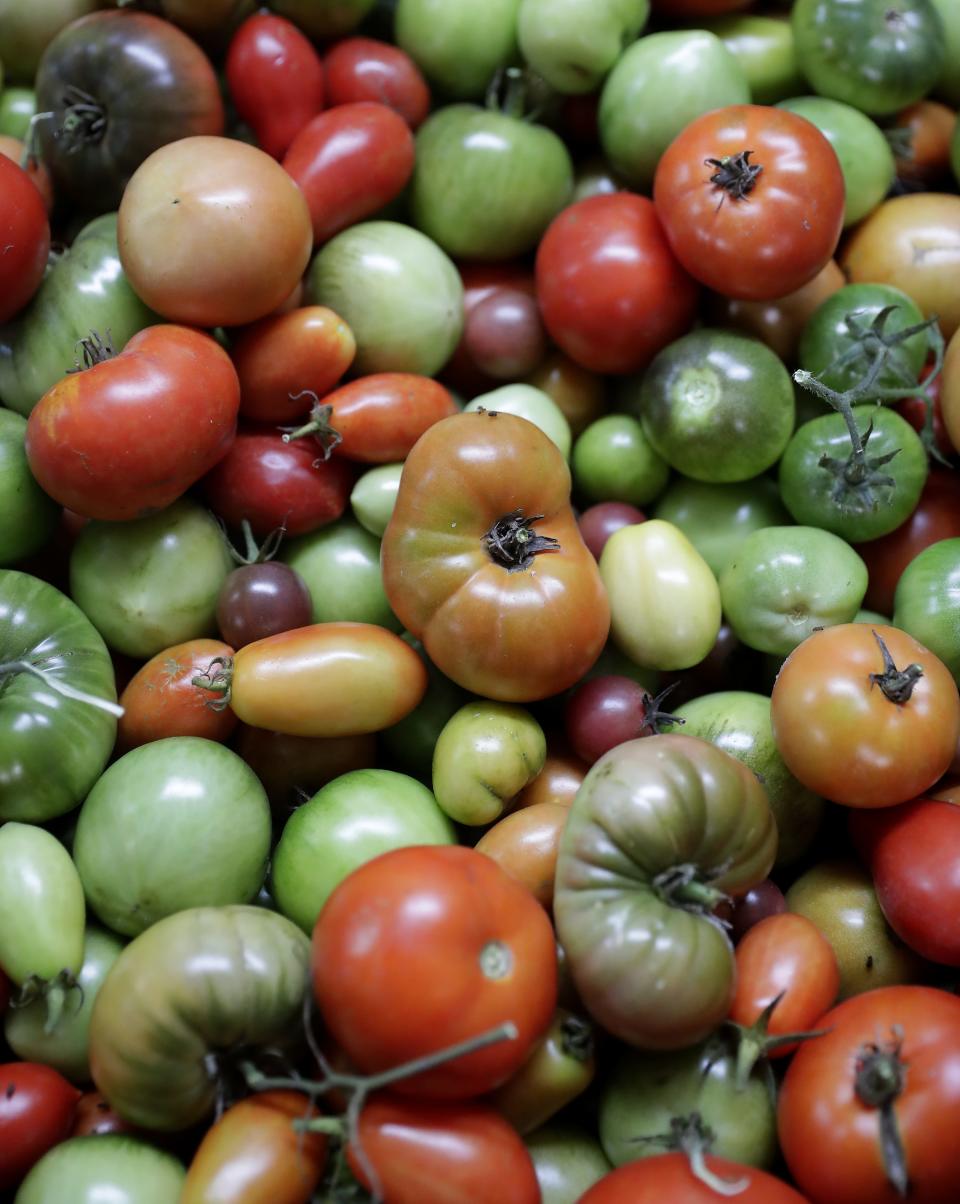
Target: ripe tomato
x=558, y=782
x=751, y=199
x=525, y=844
x=129, y=435
x=275, y=78
x=13, y=149
x=366, y=69
x=36, y=1112
x=455, y=945
x=94, y=1115
x=854, y=738
x=24, y=236
x=611, y=292
x=896, y=1051
x=668, y=1177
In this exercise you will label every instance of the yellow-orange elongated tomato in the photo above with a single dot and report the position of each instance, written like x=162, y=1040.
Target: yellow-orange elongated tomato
x=328, y=679
x=213, y=232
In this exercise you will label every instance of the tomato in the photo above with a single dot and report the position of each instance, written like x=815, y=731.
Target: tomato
x=213, y=232
x=366, y=69
x=30, y=516
x=763, y=900
x=614, y=461
x=925, y=601
x=751, y=199
x=458, y=47
x=349, y=163
x=451, y=918
x=130, y=434
x=950, y=390
x=109, y=1166
x=659, y=828
x=597, y=523
x=26, y=238
x=340, y=564
x=573, y=45
x=261, y=598
x=36, y=1112
x=580, y=395
x=928, y=127
x=524, y=401
x=275, y=79
x=14, y=149
x=94, y=1116
x=857, y=744
x=610, y=290
x=560, y=1068
x=461, y=562
x=567, y=1162
x=374, y=495
x=280, y=360
x=254, y=1154
x=525, y=843
x=423, y=1152
x=669, y=1177
x=604, y=711
x=557, y=782
x=889, y=1064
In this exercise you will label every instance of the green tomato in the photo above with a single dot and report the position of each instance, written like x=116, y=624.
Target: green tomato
x=340, y=565
x=153, y=582
x=833, y=351
x=664, y=601
x=176, y=823
x=568, y=1162
x=458, y=46
x=398, y=292
x=820, y=494
x=948, y=86
x=718, y=518
x=85, y=289
x=326, y=19
x=572, y=44
x=17, y=106
x=29, y=516
x=374, y=496
x=537, y=407
x=486, y=185
x=645, y=1092
x=103, y=1168
x=878, y=57
x=410, y=743
x=927, y=601
x=613, y=461
x=42, y=909
x=786, y=581
x=658, y=86
x=718, y=406
x=26, y=29
x=485, y=755
x=351, y=820
x=871, y=618
x=594, y=177
x=66, y=1048
x=866, y=159
x=764, y=48
x=739, y=723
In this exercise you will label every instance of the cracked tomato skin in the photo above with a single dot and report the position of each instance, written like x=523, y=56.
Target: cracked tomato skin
x=668, y=1178
x=781, y=232
x=831, y=1139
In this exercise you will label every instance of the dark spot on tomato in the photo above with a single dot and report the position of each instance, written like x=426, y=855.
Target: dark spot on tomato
x=870, y=962
x=11, y=1091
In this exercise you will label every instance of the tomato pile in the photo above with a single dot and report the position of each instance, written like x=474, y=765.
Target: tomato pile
x=479, y=601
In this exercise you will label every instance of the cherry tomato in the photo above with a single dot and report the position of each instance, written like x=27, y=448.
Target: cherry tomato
x=481, y=281
x=928, y=127
x=258, y=600
x=525, y=844
x=599, y=522
x=607, y=710
x=366, y=69
x=504, y=336
x=36, y=1113
x=24, y=236
x=763, y=900
x=751, y=198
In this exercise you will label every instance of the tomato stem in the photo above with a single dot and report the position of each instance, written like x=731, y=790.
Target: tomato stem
x=896, y=684
x=880, y=1078
x=217, y=678
x=53, y=991
x=681, y=886
x=576, y=1038
x=318, y=425
x=755, y=1043
x=93, y=349
x=512, y=542
x=253, y=552
x=84, y=120
x=691, y=1137
x=735, y=175
x=61, y=687
x=653, y=716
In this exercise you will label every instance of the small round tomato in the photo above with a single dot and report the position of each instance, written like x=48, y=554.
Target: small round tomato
x=25, y=236
x=751, y=199
x=558, y=782
x=36, y=1113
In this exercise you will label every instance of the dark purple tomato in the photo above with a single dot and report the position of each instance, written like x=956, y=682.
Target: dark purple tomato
x=606, y=711
x=599, y=522
x=504, y=335
x=764, y=899
x=258, y=600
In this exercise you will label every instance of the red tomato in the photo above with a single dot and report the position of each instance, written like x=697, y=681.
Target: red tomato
x=279, y=359
x=784, y=955
x=94, y=1115
x=365, y=69
x=423, y=1152
x=133, y=432
x=349, y=162
x=36, y=1113
x=274, y=484
x=611, y=292
x=24, y=237
x=751, y=198
x=160, y=699
x=667, y=1179
x=455, y=945
x=895, y=1046
x=275, y=78
x=38, y=171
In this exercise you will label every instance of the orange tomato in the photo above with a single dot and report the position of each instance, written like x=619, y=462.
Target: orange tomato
x=525, y=844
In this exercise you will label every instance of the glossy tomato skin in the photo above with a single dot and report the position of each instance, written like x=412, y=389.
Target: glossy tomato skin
x=449, y=919
x=525, y=844
x=950, y=390
x=772, y=241
x=668, y=1177
x=94, y=1116
x=509, y=636
x=128, y=436
x=611, y=292
x=36, y=1112
x=275, y=78
x=843, y=738
x=274, y=484
x=350, y=162
x=819, y=1109
x=25, y=233
x=259, y=600
x=367, y=69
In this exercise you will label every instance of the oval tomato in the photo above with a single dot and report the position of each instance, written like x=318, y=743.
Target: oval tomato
x=525, y=844
x=36, y=1113
x=669, y=1177
x=24, y=235
x=752, y=200
x=367, y=69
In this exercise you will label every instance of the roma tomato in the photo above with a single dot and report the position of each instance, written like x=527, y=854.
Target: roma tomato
x=867, y=717
x=25, y=233
x=445, y=916
x=877, y=1097
x=670, y=1177
x=134, y=431
x=36, y=1113
x=463, y=565
x=610, y=290
x=752, y=200
x=349, y=162
x=275, y=78
x=525, y=844
x=366, y=69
